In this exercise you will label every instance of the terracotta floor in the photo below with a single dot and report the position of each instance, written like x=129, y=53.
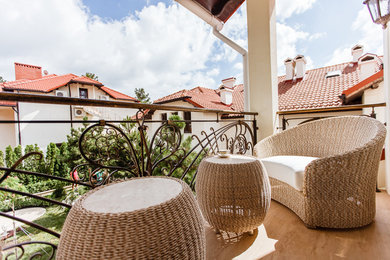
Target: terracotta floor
x=283, y=236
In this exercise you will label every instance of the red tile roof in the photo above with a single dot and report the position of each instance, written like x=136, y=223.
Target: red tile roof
x=358, y=89
x=364, y=83
x=317, y=91
x=117, y=95
x=206, y=98
x=7, y=104
x=45, y=84
x=86, y=80
x=313, y=91
x=52, y=82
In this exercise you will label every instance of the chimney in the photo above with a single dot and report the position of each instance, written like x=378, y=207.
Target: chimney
x=300, y=66
x=226, y=90
x=229, y=82
x=367, y=66
x=25, y=71
x=226, y=95
x=289, y=63
x=356, y=52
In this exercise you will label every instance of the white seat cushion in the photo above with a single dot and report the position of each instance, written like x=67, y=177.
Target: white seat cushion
x=287, y=168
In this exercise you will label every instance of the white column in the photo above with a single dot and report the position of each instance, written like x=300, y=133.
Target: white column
x=386, y=76
x=262, y=64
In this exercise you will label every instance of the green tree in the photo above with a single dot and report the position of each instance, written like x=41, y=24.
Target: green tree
x=7, y=198
x=142, y=96
x=32, y=163
x=174, y=118
x=18, y=151
x=2, y=80
x=91, y=76
x=10, y=157
x=52, y=162
x=63, y=165
x=2, y=159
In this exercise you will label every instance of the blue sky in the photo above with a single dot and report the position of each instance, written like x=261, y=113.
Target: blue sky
x=162, y=47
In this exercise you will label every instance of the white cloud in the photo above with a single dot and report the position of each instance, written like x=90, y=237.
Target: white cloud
x=317, y=36
x=213, y=72
x=340, y=55
x=370, y=36
x=287, y=8
x=371, y=33
x=236, y=30
x=287, y=40
x=238, y=66
x=158, y=48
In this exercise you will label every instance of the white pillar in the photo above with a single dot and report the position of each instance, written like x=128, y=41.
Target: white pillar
x=262, y=64
x=386, y=76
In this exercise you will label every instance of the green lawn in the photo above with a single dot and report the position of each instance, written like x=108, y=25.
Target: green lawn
x=53, y=219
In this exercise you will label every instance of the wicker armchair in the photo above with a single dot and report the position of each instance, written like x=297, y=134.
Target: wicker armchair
x=339, y=186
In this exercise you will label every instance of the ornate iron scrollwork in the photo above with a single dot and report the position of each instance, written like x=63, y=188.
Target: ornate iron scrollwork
x=17, y=251
x=126, y=147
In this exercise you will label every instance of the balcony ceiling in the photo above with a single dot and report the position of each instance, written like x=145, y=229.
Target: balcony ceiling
x=222, y=9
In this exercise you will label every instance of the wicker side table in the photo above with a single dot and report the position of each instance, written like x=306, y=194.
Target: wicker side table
x=143, y=218
x=233, y=193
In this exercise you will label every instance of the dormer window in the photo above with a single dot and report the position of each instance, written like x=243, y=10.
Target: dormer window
x=332, y=74
x=83, y=93
x=367, y=58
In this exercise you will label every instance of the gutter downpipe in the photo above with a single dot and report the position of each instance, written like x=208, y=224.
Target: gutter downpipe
x=217, y=26
x=244, y=54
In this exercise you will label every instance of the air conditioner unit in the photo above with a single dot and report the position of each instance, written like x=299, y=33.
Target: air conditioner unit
x=79, y=112
x=104, y=97
x=60, y=93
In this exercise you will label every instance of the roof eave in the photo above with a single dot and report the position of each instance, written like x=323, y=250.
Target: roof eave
x=172, y=100
x=86, y=83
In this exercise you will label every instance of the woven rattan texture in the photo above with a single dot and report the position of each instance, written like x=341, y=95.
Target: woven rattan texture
x=233, y=197
x=171, y=230
x=339, y=187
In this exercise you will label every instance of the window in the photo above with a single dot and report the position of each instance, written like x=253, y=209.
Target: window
x=83, y=93
x=367, y=58
x=164, y=117
x=175, y=113
x=332, y=74
x=187, y=118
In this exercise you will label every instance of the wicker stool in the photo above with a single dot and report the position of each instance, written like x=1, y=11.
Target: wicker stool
x=143, y=218
x=233, y=193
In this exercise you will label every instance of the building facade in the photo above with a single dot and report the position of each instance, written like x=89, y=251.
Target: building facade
x=29, y=79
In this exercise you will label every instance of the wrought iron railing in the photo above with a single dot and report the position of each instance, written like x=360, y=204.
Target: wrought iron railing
x=123, y=149
x=307, y=115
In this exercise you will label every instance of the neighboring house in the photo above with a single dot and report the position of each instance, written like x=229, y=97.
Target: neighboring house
x=227, y=97
x=306, y=95
x=29, y=80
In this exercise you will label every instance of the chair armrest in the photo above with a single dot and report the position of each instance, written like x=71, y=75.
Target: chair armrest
x=342, y=176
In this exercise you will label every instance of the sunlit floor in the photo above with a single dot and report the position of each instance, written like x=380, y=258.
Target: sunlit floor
x=283, y=236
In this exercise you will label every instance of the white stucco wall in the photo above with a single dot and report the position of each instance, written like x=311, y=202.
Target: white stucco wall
x=373, y=96
x=43, y=134
x=8, y=132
